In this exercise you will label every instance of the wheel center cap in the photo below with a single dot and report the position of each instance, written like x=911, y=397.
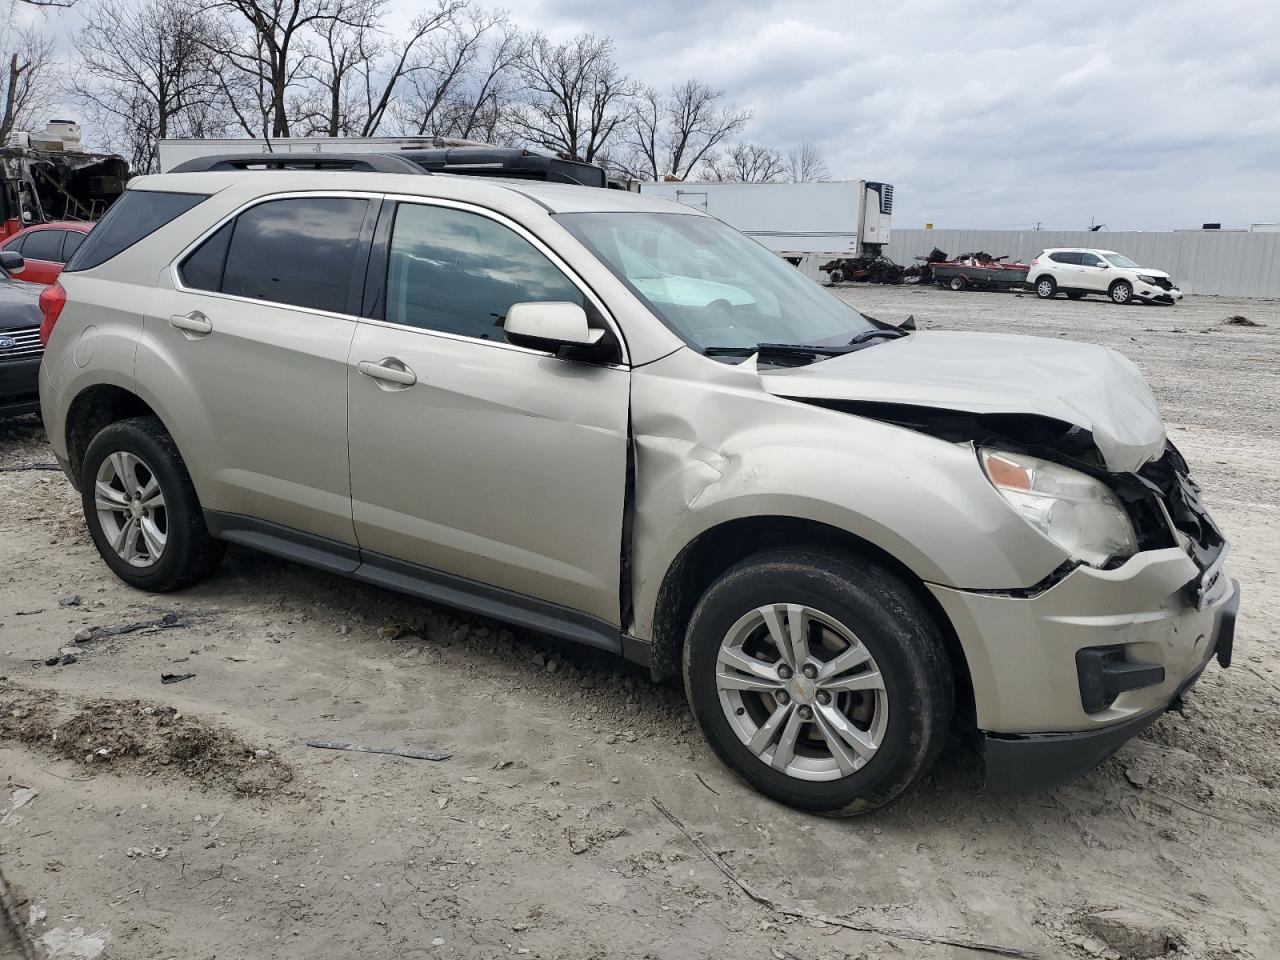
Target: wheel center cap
x=135, y=510
x=801, y=689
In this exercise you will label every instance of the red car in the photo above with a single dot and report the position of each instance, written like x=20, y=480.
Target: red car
x=46, y=247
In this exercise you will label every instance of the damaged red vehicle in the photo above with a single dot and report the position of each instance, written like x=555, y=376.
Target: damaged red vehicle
x=46, y=248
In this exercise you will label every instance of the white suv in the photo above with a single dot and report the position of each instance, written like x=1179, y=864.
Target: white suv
x=1076, y=272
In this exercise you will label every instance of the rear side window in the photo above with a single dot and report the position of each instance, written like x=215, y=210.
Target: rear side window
x=1065, y=256
x=72, y=243
x=137, y=214
x=44, y=245
x=300, y=252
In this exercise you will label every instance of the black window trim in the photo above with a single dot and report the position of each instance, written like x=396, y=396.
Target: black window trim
x=374, y=255
x=379, y=261
x=361, y=253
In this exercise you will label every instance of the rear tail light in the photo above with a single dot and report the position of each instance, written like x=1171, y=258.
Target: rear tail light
x=52, y=300
x=1034, y=261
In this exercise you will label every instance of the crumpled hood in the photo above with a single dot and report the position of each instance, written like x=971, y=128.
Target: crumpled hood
x=1083, y=384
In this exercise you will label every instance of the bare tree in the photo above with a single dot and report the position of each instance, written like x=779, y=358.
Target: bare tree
x=575, y=95
x=146, y=73
x=29, y=82
x=358, y=75
x=457, y=74
x=806, y=164
x=747, y=163
x=670, y=134
x=273, y=56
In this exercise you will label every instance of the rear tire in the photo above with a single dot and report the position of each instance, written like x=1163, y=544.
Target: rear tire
x=1046, y=288
x=142, y=510
x=1121, y=292
x=872, y=677
x=957, y=283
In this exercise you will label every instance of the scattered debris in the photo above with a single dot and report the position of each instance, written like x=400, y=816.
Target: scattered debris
x=175, y=677
x=28, y=613
x=69, y=600
x=169, y=621
x=30, y=466
x=1131, y=933
x=705, y=784
x=580, y=841
x=393, y=751
x=17, y=800
x=74, y=944
x=797, y=913
x=1236, y=320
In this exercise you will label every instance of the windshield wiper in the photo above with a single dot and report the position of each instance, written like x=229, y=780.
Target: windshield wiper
x=777, y=349
x=888, y=333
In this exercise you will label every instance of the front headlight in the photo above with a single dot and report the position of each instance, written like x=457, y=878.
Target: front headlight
x=1071, y=508
x=1145, y=279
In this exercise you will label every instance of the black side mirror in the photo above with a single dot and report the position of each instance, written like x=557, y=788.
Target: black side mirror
x=12, y=261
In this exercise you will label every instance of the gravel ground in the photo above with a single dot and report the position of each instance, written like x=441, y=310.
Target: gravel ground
x=538, y=836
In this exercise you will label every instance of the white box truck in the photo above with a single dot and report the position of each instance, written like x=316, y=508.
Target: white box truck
x=838, y=218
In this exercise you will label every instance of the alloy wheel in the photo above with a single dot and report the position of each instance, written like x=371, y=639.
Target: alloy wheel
x=131, y=509
x=802, y=692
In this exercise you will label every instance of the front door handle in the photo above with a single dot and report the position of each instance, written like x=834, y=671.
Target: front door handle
x=193, y=322
x=388, y=370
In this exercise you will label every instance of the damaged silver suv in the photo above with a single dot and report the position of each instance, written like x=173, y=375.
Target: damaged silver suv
x=619, y=421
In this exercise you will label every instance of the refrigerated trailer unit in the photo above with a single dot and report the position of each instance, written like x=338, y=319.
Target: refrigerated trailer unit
x=839, y=218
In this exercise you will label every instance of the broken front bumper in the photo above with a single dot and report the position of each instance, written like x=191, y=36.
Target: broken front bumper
x=1156, y=294
x=1031, y=684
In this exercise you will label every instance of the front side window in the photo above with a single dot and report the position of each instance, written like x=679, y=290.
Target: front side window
x=298, y=251
x=459, y=272
x=1089, y=260
x=713, y=286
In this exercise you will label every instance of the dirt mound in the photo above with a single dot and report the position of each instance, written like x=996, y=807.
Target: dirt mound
x=149, y=738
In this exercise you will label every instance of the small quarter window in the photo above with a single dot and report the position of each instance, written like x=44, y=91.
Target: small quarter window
x=137, y=214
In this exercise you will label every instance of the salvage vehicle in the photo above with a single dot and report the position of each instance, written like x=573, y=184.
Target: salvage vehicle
x=20, y=346
x=1078, y=272
x=978, y=271
x=46, y=247
x=617, y=420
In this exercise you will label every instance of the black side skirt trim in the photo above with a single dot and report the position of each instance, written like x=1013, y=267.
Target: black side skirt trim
x=282, y=541
x=434, y=586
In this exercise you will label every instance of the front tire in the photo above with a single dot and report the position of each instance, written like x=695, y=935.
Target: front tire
x=1046, y=288
x=957, y=283
x=819, y=678
x=142, y=510
x=1121, y=292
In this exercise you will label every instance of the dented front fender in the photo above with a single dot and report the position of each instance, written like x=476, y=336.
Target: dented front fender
x=712, y=447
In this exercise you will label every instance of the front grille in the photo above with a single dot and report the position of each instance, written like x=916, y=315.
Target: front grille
x=17, y=345
x=1164, y=283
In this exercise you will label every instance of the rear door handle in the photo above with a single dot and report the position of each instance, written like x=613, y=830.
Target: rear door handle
x=388, y=370
x=193, y=322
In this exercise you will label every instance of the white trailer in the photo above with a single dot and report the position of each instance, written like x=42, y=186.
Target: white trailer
x=176, y=151
x=848, y=218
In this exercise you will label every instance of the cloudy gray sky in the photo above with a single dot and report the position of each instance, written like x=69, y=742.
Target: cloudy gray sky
x=999, y=114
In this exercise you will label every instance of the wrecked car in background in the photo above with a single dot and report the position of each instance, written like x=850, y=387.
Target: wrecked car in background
x=618, y=420
x=47, y=178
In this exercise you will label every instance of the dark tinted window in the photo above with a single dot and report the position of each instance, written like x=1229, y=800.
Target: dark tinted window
x=459, y=272
x=202, y=270
x=299, y=251
x=72, y=243
x=1063, y=256
x=1089, y=260
x=16, y=244
x=138, y=213
x=43, y=245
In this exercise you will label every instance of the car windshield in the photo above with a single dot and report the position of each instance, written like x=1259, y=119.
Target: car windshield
x=713, y=286
x=1117, y=260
